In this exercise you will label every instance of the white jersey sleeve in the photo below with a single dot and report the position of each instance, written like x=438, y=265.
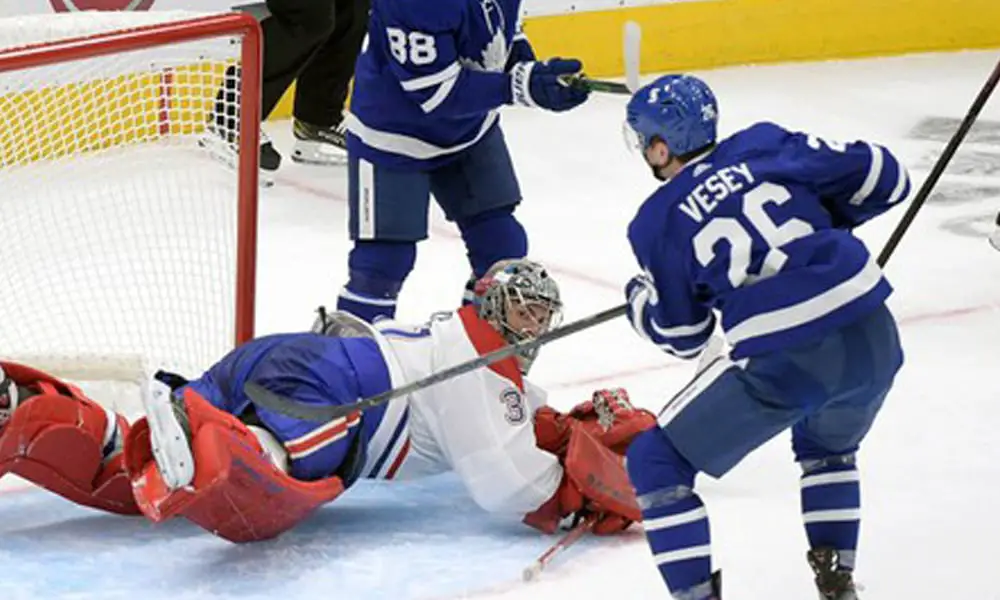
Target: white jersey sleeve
x=478, y=424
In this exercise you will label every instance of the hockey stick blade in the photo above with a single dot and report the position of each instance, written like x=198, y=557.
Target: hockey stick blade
x=631, y=51
x=262, y=397
x=532, y=571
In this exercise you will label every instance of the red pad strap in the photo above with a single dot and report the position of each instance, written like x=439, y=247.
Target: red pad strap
x=237, y=493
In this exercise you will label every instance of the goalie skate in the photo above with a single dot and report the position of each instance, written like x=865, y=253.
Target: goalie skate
x=169, y=435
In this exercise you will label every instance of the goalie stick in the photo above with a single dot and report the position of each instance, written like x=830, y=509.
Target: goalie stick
x=535, y=569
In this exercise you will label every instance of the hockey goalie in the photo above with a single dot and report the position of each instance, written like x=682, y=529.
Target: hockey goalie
x=207, y=453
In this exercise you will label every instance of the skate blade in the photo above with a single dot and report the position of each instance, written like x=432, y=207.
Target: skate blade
x=167, y=439
x=220, y=151
x=307, y=152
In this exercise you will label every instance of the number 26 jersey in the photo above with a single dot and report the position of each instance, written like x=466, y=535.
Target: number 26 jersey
x=758, y=230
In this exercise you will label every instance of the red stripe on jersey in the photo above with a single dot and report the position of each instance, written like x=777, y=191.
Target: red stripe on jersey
x=485, y=339
x=321, y=436
x=399, y=460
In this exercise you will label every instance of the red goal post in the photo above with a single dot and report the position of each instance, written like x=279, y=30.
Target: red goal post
x=116, y=225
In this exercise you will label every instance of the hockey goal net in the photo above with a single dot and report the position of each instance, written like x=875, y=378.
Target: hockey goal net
x=125, y=246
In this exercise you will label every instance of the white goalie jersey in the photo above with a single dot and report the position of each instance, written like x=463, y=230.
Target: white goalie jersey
x=478, y=424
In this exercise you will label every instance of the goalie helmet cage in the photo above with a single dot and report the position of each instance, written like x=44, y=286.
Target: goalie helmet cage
x=125, y=245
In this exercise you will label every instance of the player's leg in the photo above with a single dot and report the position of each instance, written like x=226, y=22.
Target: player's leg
x=321, y=89
x=54, y=436
x=479, y=192
x=291, y=32
x=860, y=374
x=388, y=216
x=726, y=412
x=189, y=458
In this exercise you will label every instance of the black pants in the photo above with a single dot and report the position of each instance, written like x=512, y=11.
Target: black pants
x=316, y=42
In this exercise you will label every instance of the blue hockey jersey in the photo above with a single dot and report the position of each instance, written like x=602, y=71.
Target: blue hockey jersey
x=430, y=78
x=758, y=230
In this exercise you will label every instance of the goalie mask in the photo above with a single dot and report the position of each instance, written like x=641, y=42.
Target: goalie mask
x=521, y=301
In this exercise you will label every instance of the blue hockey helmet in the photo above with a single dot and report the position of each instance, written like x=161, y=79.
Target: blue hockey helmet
x=679, y=109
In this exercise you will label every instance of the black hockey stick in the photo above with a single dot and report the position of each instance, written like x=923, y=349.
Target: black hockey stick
x=600, y=85
x=940, y=165
x=265, y=398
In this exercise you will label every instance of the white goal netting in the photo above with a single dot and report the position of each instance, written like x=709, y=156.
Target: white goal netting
x=120, y=235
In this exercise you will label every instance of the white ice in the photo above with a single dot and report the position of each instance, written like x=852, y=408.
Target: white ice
x=930, y=466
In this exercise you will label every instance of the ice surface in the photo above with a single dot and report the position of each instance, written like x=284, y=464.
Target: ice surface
x=929, y=467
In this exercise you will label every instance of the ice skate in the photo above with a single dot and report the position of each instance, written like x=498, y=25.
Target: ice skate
x=832, y=582
x=315, y=145
x=169, y=435
x=223, y=146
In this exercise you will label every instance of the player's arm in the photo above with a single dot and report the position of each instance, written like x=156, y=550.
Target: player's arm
x=521, y=49
x=662, y=306
x=424, y=58
x=856, y=180
x=488, y=437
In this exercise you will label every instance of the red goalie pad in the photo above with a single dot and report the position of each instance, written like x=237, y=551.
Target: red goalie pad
x=55, y=440
x=237, y=492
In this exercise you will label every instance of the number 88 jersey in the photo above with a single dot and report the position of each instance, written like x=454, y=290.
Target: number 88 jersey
x=758, y=231
x=430, y=78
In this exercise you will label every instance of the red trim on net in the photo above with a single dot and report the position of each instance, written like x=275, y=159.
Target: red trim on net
x=163, y=34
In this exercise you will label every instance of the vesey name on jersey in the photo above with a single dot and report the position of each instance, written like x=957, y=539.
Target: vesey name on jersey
x=714, y=189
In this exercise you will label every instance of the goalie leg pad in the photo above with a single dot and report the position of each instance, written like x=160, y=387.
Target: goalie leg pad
x=236, y=492
x=58, y=440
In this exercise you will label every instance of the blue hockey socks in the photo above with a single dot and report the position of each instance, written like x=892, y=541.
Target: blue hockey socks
x=674, y=517
x=490, y=237
x=831, y=505
x=377, y=271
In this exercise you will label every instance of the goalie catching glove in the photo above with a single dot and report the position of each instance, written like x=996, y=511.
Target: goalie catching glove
x=591, y=441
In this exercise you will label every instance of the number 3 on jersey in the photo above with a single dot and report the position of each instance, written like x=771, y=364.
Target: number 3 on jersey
x=414, y=47
x=740, y=239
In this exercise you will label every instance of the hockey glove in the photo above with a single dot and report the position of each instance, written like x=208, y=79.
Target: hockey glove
x=590, y=441
x=539, y=84
x=610, y=417
x=641, y=294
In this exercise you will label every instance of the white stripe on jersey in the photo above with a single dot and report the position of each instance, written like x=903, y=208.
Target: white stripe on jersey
x=397, y=143
x=812, y=309
x=366, y=200
x=419, y=83
x=871, y=180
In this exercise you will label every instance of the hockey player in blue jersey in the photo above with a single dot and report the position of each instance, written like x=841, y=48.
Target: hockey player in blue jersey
x=424, y=120
x=755, y=230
